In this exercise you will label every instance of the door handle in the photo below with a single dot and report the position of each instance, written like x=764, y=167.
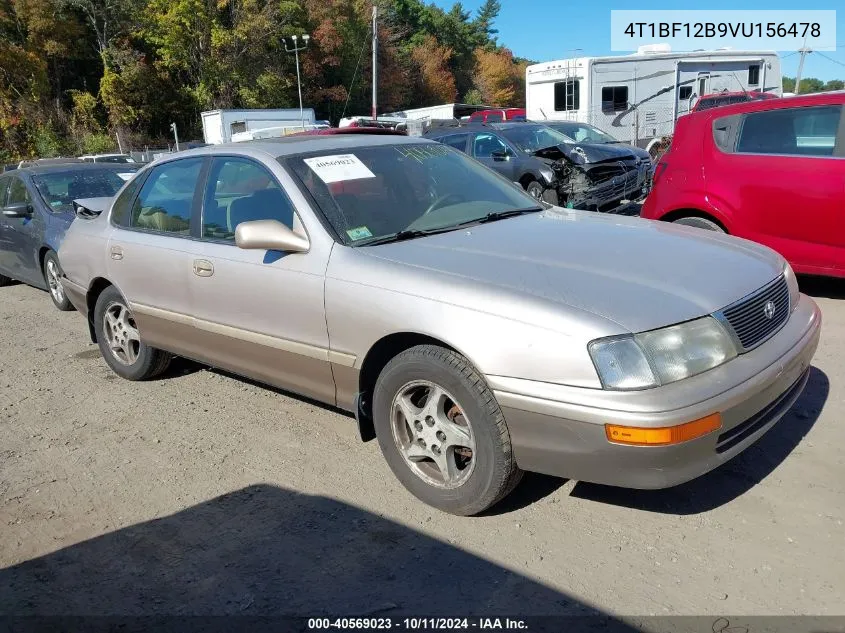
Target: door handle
x=203, y=268
x=116, y=252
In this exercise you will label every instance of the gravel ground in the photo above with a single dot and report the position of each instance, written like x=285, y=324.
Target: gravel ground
x=201, y=493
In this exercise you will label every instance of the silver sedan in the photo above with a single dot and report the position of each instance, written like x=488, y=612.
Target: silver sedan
x=473, y=332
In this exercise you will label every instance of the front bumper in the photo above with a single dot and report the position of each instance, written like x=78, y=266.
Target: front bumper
x=559, y=430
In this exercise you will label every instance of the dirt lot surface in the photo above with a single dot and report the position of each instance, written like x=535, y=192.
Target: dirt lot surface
x=200, y=493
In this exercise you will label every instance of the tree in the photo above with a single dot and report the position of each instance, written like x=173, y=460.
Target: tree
x=108, y=19
x=437, y=84
x=835, y=84
x=498, y=78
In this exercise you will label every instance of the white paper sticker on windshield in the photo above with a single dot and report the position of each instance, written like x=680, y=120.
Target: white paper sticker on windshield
x=338, y=168
x=125, y=175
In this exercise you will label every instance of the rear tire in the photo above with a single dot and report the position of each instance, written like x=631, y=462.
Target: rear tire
x=52, y=272
x=120, y=342
x=699, y=223
x=442, y=432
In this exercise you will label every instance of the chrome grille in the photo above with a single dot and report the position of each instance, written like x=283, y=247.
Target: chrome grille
x=747, y=317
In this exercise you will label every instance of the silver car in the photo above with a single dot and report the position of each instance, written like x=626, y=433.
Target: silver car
x=476, y=334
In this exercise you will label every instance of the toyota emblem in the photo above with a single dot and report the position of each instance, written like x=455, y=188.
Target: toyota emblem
x=769, y=310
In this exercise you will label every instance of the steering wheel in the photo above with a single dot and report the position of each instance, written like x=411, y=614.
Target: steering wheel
x=442, y=199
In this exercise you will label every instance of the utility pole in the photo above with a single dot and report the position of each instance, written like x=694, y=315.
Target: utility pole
x=295, y=50
x=804, y=51
x=375, y=62
x=175, y=135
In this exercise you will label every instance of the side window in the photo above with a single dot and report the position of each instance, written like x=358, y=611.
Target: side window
x=495, y=117
x=614, y=98
x=240, y=190
x=458, y=141
x=794, y=131
x=754, y=75
x=485, y=145
x=685, y=92
x=237, y=127
x=120, y=215
x=18, y=192
x=4, y=187
x=568, y=95
x=166, y=197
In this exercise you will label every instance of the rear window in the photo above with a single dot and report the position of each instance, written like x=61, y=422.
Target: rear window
x=60, y=188
x=809, y=131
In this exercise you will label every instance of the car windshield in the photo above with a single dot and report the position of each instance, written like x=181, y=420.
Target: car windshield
x=713, y=102
x=59, y=189
x=530, y=138
x=581, y=133
x=382, y=192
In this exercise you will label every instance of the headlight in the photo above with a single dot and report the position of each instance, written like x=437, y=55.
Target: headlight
x=651, y=359
x=547, y=174
x=792, y=284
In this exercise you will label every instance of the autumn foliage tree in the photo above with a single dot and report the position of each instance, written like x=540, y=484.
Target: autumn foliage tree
x=499, y=79
x=437, y=84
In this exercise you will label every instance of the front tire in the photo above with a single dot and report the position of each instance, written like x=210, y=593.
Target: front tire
x=120, y=342
x=699, y=223
x=442, y=432
x=53, y=278
x=534, y=189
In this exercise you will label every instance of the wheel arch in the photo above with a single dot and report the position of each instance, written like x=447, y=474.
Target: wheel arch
x=95, y=289
x=526, y=179
x=677, y=214
x=377, y=357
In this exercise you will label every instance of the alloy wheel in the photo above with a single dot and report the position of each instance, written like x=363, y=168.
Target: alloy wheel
x=122, y=336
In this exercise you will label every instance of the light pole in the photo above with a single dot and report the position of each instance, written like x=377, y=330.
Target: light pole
x=295, y=50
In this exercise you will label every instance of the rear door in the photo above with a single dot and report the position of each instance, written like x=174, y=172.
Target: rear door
x=458, y=141
x=259, y=313
x=786, y=180
x=5, y=244
x=151, y=253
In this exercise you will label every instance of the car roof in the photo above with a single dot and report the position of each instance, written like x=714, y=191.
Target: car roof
x=751, y=94
x=80, y=166
x=761, y=105
x=289, y=145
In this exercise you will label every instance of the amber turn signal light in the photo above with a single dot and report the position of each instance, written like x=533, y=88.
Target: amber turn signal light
x=639, y=436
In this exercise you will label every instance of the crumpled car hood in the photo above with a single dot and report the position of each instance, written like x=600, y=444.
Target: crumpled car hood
x=637, y=273
x=585, y=153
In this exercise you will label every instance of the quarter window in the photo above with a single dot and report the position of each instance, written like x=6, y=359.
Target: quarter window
x=568, y=95
x=614, y=98
x=166, y=198
x=754, y=75
x=18, y=192
x=794, y=131
x=240, y=190
x=485, y=145
x=123, y=204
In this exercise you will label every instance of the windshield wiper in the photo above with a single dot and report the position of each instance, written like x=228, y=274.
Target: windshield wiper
x=498, y=215
x=407, y=234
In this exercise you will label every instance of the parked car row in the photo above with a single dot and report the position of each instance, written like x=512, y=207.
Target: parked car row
x=476, y=331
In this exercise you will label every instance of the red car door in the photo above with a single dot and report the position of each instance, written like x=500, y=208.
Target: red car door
x=783, y=179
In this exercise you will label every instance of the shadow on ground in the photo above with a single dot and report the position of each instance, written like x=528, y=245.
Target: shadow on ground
x=822, y=287
x=266, y=551
x=734, y=478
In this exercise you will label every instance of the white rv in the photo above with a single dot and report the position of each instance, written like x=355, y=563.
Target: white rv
x=219, y=126
x=638, y=97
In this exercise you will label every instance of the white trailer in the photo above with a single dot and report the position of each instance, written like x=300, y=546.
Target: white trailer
x=218, y=126
x=438, y=112
x=637, y=98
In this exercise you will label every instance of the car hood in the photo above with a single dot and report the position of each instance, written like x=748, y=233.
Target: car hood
x=586, y=153
x=637, y=273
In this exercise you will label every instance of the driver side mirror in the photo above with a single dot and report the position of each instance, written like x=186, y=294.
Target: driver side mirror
x=501, y=154
x=18, y=210
x=269, y=235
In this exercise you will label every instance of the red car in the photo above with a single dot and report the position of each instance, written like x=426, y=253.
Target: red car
x=718, y=99
x=498, y=116
x=771, y=171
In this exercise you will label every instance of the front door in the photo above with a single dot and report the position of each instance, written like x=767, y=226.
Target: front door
x=23, y=237
x=151, y=253
x=259, y=313
x=495, y=153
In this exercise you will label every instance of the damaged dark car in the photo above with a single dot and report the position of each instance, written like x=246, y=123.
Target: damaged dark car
x=551, y=166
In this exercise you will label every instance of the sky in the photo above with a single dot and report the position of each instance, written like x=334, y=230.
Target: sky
x=543, y=30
